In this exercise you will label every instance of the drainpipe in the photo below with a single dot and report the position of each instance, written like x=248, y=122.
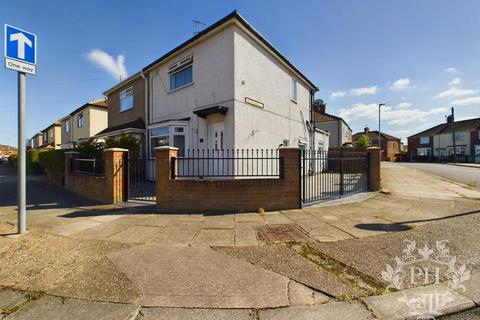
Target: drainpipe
x=146, y=106
x=312, y=119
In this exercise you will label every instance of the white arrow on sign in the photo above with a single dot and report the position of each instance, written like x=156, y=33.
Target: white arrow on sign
x=21, y=41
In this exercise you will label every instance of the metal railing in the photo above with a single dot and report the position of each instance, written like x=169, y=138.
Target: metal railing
x=329, y=175
x=94, y=167
x=201, y=163
x=141, y=178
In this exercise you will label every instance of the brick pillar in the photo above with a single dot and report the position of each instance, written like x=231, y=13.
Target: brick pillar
x=69, y=155
x=163, y=170
x=374, y=168
x=114, y=174
x=290, y=157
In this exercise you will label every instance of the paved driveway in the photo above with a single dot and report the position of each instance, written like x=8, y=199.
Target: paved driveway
x=466, y=175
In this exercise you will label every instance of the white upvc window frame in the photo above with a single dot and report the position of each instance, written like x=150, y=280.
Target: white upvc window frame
x=177, y=67
x=123, y=96
x=172, y=132
x=294, y=90
x=422, y=140
x=80, y=120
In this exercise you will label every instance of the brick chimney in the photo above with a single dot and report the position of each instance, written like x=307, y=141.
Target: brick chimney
x=366, y=130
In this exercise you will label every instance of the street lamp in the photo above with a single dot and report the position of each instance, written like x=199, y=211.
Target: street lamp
x=380, y=105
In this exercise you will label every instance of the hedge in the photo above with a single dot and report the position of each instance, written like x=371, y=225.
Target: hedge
x=53, y=160
x=32, y=160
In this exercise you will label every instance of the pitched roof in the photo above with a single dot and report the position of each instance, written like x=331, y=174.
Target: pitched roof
x=322, y=117
x=93, y=103
x=373, y=135
x=464, y=125
x=135, y=124
x=233, y=15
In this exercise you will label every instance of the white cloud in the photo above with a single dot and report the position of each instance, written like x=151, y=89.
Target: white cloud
x=400, y=84
x=403, y=105
x=455, y=92
x=466, y=102
x=455, y=81
x=337, y=94
x=451, y=70
x=116, y=67
x=391, y=116
x=364, y=91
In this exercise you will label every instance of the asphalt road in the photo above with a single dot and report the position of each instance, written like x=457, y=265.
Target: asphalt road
x=465, y=175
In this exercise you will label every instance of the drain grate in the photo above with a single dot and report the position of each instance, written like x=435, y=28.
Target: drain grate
x=275, y=233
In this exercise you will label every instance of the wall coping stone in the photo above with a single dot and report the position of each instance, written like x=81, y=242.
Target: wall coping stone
x=289, y=147
x=72, y=152
x=116, y=149
x=373, y=148
x=165, y=148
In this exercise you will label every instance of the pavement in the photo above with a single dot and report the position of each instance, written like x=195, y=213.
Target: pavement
x=325, y=262
x=465, y=173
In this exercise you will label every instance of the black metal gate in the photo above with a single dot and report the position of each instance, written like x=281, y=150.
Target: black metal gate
x=333, y=174
x=141, y=180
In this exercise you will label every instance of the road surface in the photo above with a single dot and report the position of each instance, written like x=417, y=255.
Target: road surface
x=466, y=175
x=466, y=315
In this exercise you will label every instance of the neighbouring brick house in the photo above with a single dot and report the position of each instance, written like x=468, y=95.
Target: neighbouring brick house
x=389, y=145
x=225, y=88
x=436, y=143
x=127, y=110
x=7, y=151
x=340, y=132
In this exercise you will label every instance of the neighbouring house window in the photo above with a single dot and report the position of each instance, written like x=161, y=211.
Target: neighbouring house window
x=67, y=126
x=294, y=90
x=80, y=120
x=181, y=78
x=126, y=99
x=50, y=133
x=424, y=140
x=45, y=137
x=424, y=152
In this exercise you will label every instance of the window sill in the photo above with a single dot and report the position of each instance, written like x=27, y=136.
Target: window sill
x=179, y=88
x=294, y=101
x=126, y=110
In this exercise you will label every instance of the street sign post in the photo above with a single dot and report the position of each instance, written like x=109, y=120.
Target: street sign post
x=21, y=56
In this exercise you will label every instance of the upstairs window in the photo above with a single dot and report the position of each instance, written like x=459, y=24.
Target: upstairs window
x=181, y=73
x=424, y=140
x=67, y=126
x=80, y=120
x=126, y=99
x=294, y=90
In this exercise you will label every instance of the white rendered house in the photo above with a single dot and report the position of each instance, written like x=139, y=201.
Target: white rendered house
x=228, y=88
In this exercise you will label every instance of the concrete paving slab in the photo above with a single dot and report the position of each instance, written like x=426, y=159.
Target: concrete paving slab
x=285, y=261
x=137, y=234
x=298, y=214
x=199, y=277
x=300, y=295
x=176, y=235
x=245, y=234
x=472, y=288
x=430, y=301
x=105, y=218
x=329, y=311
x=9, y=299
x=74, y=227
x=195, y=314
x=248, y=217
x=104, y=230
x=214, y=237
x=53, y=308
x=219, y=222
x=276, y=218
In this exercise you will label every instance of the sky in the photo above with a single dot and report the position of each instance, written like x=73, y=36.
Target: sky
x=418, y=57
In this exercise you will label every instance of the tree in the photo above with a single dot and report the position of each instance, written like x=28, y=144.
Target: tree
x=124, y=141
x=363, y=141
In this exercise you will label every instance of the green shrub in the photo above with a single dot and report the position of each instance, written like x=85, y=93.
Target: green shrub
x=53, y=160
x=32, y=160
x=12, y=160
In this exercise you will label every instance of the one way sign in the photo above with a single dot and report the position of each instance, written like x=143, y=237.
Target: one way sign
x=20, y=50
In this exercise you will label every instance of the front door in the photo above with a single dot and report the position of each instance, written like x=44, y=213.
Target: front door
x=216, y=142
x=216, y=136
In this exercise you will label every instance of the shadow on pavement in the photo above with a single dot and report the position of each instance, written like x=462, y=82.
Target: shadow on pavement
x=40, y=193
x=405, y=225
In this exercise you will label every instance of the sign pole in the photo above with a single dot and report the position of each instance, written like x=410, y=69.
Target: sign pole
x=21, y=160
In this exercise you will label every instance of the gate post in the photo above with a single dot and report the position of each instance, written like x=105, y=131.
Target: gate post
x=163, y=172
x=341, y=173
x=373, y=168
x=291, y=162
x=114, y=173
